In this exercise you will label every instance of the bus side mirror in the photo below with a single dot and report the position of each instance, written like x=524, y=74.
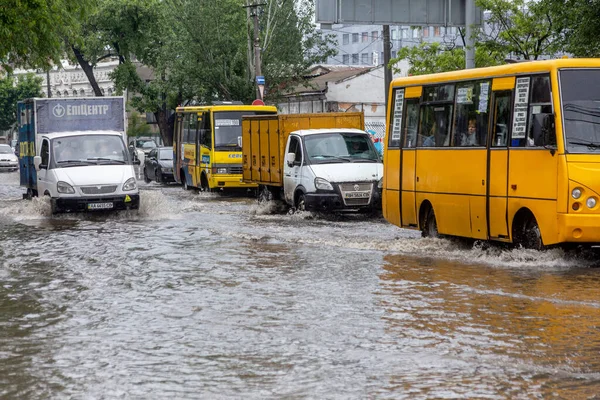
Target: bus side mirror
x=549, y=130
x=290, y=158
x=543, y=130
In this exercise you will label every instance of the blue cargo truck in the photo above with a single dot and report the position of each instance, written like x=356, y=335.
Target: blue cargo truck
x=73, y=151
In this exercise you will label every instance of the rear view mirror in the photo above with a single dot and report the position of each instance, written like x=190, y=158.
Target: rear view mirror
x=290, y=158
x=37, y=161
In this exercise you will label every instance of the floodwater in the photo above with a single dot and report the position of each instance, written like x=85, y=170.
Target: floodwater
x=203, y=296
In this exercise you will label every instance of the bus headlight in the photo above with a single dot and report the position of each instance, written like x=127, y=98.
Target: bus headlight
x=323, y=184
x=129, y=185
x=576, y=193
x=591, y=202
x=216, y=170
x=64, y=187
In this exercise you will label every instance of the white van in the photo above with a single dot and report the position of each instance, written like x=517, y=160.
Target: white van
x=86, y=171
x=329, y=169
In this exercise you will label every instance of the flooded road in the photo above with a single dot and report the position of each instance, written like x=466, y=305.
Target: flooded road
x=200, y=296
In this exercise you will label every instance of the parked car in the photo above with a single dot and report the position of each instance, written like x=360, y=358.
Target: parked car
x=158, y=165
x=8, y=159
x=140, y=147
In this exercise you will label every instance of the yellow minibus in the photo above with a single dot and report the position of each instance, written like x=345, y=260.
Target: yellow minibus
x=508, y=153
x=207, y=145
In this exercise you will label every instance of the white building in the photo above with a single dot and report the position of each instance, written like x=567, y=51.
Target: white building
x=70, y=80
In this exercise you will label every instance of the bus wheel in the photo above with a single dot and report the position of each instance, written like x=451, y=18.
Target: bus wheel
x=204, y=184
x=430, y=228
x=531, y=237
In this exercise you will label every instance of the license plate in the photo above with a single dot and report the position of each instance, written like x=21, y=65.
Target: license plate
x=100, y=206
x=355, y=195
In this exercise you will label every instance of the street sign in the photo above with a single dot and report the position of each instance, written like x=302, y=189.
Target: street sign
x=260, y=80
x=258, y=102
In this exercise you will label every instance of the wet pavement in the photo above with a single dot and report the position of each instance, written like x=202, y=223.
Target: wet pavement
x=206, y=296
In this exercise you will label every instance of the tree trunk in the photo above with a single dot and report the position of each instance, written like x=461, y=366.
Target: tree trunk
x=88, y=70
x=166, y=129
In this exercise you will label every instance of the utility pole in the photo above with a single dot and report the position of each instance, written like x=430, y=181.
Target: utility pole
x=469, y=42
x=257, y=62
x=387, y=72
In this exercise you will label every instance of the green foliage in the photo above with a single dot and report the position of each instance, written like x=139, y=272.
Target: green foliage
x=576, y=21
x=28, y=86
x=430, y=58
x=137, y=126
x=32, y=31
x=523, y=28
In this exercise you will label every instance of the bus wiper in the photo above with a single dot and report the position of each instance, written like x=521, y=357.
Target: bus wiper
x=589, y=144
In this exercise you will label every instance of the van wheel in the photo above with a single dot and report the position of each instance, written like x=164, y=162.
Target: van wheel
x=430, y=228
x=301, y=202
x=146, y=179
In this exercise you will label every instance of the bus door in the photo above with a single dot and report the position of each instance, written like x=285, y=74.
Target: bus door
x=178, y=147
x=533, y=168
x=408, y=158
x=205, y=144
x=497, y=202
x=391, y=174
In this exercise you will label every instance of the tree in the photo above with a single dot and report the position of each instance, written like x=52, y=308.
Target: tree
x=526, y=29
x=10, y=93
x=32, y=32
x=576, y=21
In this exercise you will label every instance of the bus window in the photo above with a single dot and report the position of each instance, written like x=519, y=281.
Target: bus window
x=205, y=130
x=532, y=97
x=411, y=123
x=472, y=112
x=435, y=125
x=192, y=125
x=501, y=118
x=396, y=122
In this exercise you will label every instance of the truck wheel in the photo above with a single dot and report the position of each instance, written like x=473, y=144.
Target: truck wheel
x=264, y=195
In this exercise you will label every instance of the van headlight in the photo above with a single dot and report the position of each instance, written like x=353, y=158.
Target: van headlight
x=323, y=184
x=380, y=183
x=129, y=185
x=64, y=187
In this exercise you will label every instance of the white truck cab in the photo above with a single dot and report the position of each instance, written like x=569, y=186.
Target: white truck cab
x=86, y=171
x=334, y=168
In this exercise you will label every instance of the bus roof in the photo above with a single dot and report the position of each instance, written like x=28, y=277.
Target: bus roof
x=498, y=71
x=227, y=108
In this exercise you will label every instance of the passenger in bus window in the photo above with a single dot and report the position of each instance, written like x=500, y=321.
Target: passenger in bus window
x=469, y=138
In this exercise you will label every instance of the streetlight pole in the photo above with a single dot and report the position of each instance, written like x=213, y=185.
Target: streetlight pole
x=257, y=61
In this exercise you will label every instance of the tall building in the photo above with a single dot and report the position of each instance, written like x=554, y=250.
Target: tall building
x=363, y=44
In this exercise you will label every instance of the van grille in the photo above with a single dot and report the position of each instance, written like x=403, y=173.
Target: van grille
x=98, y=189
x=361, y=190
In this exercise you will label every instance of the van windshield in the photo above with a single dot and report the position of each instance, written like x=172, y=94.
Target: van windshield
x=71, y=151
x=580, y=90
x=340, y=147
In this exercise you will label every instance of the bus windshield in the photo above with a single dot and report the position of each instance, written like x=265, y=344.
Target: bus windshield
x=228, y=129
x=340, y=147
x=580, y=89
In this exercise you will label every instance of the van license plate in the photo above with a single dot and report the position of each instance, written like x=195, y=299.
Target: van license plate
x=355, y=195
x=100, y=206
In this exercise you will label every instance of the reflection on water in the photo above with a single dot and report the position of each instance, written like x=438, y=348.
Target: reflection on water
x=205, y=296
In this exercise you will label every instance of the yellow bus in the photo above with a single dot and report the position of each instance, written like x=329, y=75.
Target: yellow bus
x=207, y=145
x=508, y=153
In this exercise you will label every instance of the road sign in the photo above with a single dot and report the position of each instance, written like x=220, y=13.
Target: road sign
x=260, y=80
x=258, y=102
